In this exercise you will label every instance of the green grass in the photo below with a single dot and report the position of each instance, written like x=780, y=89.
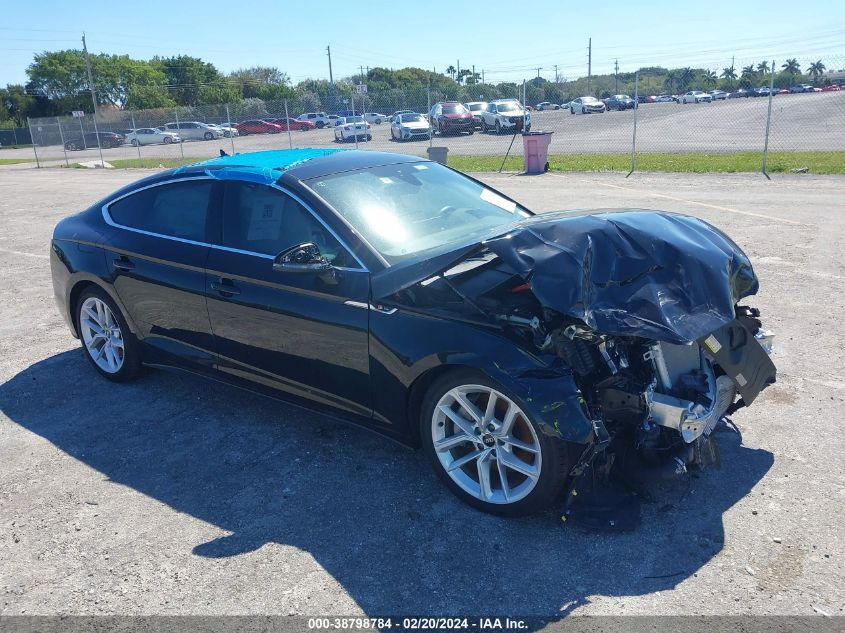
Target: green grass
x=814, y=162
x=152, y=163
x=15, y=161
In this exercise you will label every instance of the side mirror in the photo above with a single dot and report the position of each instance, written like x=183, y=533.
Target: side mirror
x=302, y=258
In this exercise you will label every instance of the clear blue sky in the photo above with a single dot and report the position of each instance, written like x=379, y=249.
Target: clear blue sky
x=432, y=34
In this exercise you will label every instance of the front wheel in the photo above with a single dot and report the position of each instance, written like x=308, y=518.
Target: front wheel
x=167, y=140
x=320, y=124
x=488, y=450
x=109, y=345
x=208, y=136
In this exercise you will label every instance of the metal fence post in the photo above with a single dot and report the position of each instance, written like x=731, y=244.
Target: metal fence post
x=768, y=123
x=354, y=125
x=178, y=129
x=99, y=143
x=634, y=137
x=32, y=138
x=62, y=139
x=430, y=127
x=229, y=124
x=287, y=122
x=137, y=140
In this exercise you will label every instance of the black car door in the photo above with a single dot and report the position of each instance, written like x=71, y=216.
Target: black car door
x=304, y=333
x=156, y=251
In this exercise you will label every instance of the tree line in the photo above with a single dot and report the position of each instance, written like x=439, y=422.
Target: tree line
x=58, y=84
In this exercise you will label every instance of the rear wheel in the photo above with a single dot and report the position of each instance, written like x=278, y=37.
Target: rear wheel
x=498, y=127
x=109, y=345
x=320, y=124
x=208, y=136
x=487, y=449
x=167, y=140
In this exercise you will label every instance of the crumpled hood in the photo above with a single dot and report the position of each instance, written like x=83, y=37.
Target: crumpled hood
x=651, y=274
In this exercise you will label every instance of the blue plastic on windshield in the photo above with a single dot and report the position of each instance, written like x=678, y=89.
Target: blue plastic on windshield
x=262, y=167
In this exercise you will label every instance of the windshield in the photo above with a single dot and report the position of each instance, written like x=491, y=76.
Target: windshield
x=589, y=100
x=407, y=209
x=454, y=109
x=354, y=119
x=475, y=107
x=410, y=118
x=511, y=106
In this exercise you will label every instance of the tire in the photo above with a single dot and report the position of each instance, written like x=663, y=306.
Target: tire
x=134, y=142
x=70, y=145
x=571, y=110
x=498, y=127
x=113, y=364
x=545, y=461
x=369, y=137
x=320, y=125
x=471, y=131
x=484, y=128
x=208, y=136
x=583, y=110
x=378, y=121
x=167, y=140
x=227, y=134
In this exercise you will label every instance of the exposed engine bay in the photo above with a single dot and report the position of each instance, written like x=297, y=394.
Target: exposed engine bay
x=658, y=363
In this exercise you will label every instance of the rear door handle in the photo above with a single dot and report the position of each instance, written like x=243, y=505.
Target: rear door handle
x=225, y=287
x=123, y=263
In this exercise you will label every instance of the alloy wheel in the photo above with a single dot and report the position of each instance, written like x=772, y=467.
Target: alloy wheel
x=485, y=444
x=102, y=335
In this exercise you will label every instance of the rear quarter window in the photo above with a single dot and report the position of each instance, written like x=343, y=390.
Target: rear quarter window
x=174, y=210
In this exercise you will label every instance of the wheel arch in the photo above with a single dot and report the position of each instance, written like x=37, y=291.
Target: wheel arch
x=82, y=284
x=417, y=391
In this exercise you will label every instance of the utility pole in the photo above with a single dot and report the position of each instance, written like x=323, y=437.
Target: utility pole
x=616, y=68
x=556, y=75
x=482, y=76
x=94, y=99
x=589, y=62
x=459, y=71
x=329, y=53
x=362, y=73
x=90, y=76
x=538, y=73
x=473, y=73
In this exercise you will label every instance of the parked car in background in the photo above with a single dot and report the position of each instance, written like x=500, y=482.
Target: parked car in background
x=319, y=119
x=620, y=102
x=332, y=120
x=107, y=140
x=451, y=117
x=410, y=126
x=193, y=130
x=586, y=105
x=351, y=127
x=151, y=136
x=831, y=88
x=476, y=108
x=801, y=88
x=646, y=98
x=547, y=105
x=664, y=99
x=398, y=112
x=505, y=115
x=764, y=91
x=293, y=124
x=257, y=126
x=375, y=117
x=718, y=94
x=228, y=129
x=696, y=96
x=742, y=93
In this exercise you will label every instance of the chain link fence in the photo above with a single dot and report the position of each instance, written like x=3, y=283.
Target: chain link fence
x=659, y=117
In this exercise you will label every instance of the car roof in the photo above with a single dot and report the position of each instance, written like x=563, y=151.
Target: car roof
x=301, y=164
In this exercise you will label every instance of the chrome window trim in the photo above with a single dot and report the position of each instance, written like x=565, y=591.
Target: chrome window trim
x=108, y=220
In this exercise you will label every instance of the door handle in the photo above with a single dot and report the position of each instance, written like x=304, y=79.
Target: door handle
x=123, y=263
x=225, y=287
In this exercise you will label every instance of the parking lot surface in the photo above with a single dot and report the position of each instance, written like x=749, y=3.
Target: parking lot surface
x=172, y=495
x=799, y=122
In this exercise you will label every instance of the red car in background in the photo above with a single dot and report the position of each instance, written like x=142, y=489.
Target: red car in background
x=257, y=126
x=831, y=88
x=293, y=124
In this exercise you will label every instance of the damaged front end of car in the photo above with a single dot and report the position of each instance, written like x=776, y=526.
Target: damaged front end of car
x=641, y=310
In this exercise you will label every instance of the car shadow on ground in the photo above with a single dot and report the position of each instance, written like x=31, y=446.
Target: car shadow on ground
x=372, y=514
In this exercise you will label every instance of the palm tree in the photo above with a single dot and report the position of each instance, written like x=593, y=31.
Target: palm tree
x=791, y=66
x=729, y=74
x=816, y=70
x=451, y=71
x=709, y=77
x=671, y=80
x=748, y=72
x=763, y=67
x=687, y=77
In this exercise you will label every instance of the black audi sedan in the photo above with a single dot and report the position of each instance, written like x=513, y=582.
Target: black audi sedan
x=524, y=353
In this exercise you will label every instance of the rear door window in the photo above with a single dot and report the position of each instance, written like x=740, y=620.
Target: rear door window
x=175, y=210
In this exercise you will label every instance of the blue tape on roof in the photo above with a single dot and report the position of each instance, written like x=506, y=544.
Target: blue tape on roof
x=263, y=167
